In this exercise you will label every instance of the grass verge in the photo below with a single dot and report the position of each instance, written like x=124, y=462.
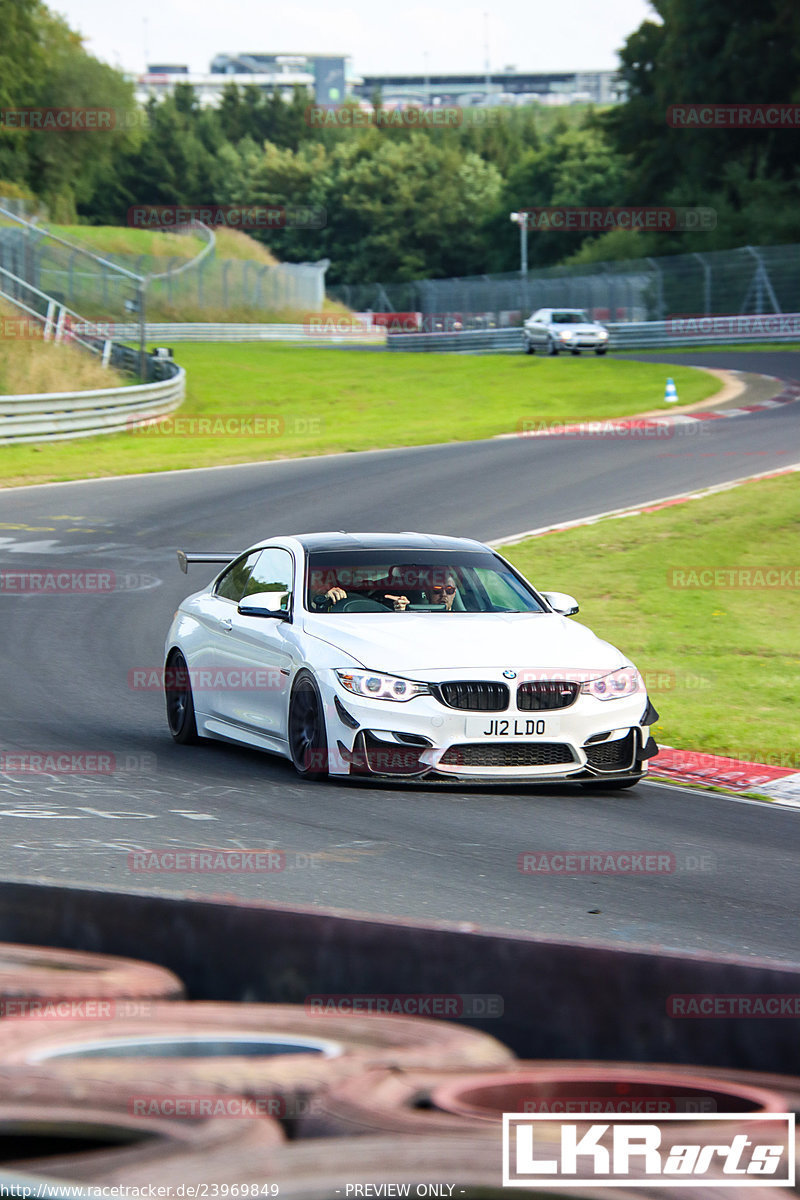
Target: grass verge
x=316, y=401
x=721, y=663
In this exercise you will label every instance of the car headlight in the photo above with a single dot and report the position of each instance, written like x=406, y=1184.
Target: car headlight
x=625, y=682
x=603, y=333
x=566, y=335
x=380, y=687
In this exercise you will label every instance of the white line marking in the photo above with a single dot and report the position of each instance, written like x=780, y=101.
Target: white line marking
x=637, y=510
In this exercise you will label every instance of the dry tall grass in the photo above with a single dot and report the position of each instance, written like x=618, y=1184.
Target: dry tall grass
x=29, y=365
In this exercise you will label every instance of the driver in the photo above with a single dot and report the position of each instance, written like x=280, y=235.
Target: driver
x=334, y=594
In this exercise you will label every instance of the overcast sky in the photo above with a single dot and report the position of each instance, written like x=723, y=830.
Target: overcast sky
x=412, y=37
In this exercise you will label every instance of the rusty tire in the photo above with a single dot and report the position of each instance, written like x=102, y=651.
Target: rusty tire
x=278, y=1054
x=91, y=1130
x=414, y=1101
x=30, y=974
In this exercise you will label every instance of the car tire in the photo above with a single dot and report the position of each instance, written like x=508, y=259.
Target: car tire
x=308, y=740
x=428, y=1102
x=44, y=973
x=599, y=351
x=529, y=346
x=552, y=348
x=179, y=701
x=576, y=353
x=88, y=1131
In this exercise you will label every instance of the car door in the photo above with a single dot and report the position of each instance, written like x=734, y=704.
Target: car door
x=256, y=652
x=539, y=326
x=214, y=613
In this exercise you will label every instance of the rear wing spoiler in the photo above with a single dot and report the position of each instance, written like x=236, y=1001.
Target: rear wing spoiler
x=184, y=559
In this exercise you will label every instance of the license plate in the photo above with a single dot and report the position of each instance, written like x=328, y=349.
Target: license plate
x=491, y=727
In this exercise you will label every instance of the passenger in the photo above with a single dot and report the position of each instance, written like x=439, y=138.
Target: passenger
x=444, y=593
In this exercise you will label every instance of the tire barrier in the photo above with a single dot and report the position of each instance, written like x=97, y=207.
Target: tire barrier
x=429, y=1101
x=279, y=1055
x=90, y=1130
x=33, y=974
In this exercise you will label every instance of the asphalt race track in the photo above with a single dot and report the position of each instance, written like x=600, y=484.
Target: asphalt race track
x=418, y=852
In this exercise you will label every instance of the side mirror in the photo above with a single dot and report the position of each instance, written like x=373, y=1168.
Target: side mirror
x=566, y=605
x=266, y=604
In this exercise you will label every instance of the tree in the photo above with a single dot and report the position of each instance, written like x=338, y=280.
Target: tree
x=717, y=52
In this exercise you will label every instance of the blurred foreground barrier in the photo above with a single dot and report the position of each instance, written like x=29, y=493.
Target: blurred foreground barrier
x=559, y=1000
x=91, y=1132
x=426, y=1101
x=33, y=978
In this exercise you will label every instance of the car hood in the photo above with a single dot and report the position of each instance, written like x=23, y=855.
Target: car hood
x=582, y=328
x=401, y=643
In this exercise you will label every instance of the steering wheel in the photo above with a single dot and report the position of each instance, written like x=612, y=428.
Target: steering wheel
x=357, y=604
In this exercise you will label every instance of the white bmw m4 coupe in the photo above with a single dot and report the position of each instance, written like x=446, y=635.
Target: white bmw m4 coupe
x=404, y=656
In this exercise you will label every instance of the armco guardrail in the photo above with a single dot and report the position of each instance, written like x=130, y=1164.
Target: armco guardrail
x=704, y=331
x=61, y=415
x=470, y=341
x=57, y=416
x=202, y=331
x=631, y=335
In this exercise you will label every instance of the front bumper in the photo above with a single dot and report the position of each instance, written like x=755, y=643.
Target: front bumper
x=423, y=739
x=584, y=342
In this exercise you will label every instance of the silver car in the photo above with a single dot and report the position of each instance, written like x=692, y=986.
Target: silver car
x=555, y=329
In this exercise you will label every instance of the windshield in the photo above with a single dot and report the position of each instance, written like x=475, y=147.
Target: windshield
x=572, y=317
x=431, y=582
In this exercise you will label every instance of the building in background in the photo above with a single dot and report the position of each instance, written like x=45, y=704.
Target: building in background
x=329, y=77
x=508, y=87
x=329, y=72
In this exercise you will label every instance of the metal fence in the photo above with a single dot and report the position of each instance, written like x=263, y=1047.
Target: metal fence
x=204, y=282
x=751, y=279
x=61, y=415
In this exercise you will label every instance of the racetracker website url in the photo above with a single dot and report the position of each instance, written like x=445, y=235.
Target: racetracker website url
x=191, y=1191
